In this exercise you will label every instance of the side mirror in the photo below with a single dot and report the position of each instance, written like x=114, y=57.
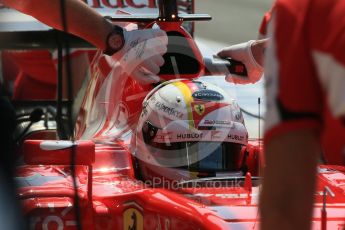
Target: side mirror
x=43, y=152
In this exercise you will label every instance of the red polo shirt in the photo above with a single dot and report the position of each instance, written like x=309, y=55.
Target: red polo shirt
x=305, y=71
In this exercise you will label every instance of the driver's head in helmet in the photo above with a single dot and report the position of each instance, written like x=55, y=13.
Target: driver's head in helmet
x=189, y=129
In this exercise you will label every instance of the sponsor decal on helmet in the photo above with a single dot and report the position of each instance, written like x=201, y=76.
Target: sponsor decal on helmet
x=216, y=134
x=144, y=112
x=238, y=116
x=168, y=110
x=153, y=98
x=216, y=122
x=189, y=136
x=208, y=95
x=166, y=136
x=236, y=137
x=199, y=109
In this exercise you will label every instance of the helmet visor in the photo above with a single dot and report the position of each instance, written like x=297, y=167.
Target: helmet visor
x=199, y=156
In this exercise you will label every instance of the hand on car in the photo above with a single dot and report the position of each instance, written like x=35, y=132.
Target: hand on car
x=142, y=55
x=245, y=52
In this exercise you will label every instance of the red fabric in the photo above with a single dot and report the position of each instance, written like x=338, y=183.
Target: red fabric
x=333, y=139
x=9, y=67
x=265, y=20
x=27, y=88
x=37, y=64
x=36, y=73
x=36, y=78
x=302, y=28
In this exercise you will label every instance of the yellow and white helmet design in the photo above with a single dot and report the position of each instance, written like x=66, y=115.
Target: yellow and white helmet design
x=189, y=126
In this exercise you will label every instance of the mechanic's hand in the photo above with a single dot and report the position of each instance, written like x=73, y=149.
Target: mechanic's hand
x=243, y=52
x=142, y=54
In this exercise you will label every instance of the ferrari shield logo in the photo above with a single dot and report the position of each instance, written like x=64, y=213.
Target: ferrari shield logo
x=133, y=220
x=199, y=109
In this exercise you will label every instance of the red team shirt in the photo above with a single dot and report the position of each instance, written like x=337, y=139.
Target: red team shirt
x=35, y=72
x=305, y=71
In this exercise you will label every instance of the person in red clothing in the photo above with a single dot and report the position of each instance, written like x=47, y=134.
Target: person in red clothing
x=333, y=143
x=305, y=88
x=35, y=72
x=305, y=73
x=86, y=23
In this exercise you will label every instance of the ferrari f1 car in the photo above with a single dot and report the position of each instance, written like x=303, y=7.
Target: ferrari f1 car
x=173, y=156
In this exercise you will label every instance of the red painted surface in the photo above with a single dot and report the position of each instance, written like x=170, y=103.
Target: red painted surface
x=115, y=189
x=47, y=193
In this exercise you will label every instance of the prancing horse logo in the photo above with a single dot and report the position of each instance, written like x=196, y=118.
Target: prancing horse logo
x=199, y=109
x=133, y=219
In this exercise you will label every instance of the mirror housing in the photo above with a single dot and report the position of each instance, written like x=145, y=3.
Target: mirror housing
x=43, y=152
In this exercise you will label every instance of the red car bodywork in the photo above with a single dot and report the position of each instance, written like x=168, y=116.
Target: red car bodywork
x=110, y=194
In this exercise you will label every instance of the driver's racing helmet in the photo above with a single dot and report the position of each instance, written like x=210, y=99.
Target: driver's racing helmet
x=189, y=129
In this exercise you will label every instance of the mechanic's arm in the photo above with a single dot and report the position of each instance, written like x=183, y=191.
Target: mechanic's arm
x=251, y=54
x=289, y=180
x=82, y=20
x=88, y=24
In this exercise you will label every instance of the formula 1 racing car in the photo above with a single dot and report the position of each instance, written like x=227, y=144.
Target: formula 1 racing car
x=175, y=155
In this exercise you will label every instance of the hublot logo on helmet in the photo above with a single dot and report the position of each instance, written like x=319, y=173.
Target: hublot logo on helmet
x=208, y=95
x=189, y=136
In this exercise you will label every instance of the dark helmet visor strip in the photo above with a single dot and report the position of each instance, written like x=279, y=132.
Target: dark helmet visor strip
x=200, y=156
